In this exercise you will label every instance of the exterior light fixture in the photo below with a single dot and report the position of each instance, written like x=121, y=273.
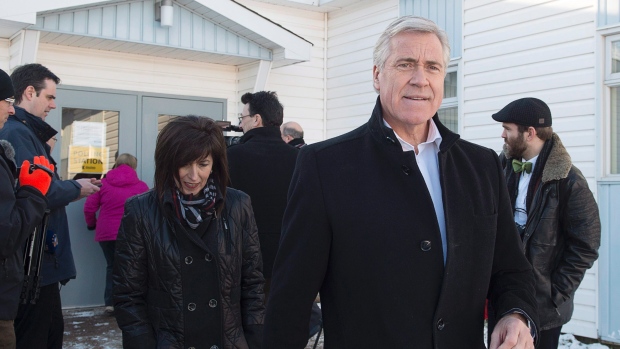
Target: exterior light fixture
x=164, y=13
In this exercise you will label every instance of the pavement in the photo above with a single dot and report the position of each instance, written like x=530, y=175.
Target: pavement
x=93, y=328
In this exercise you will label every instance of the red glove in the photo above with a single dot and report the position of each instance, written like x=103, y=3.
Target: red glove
x=39, y=176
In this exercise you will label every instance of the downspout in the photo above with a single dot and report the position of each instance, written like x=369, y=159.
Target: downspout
x=325, y=76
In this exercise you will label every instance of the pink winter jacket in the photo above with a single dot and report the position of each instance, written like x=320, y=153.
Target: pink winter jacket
x=119, y=185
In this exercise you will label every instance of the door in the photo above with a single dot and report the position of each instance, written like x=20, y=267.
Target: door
x=157, y=111
x=93, y=126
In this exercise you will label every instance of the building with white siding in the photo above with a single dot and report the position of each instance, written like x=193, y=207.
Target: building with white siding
x=121, y=67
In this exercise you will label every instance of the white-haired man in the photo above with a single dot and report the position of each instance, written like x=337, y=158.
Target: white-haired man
x=403, y=227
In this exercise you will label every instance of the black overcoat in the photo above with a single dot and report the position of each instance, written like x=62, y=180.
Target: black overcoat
x=262, y=166
x=360, y=227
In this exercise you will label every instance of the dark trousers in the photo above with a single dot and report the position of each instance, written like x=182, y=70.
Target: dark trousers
x=108, y=248
x=549, y=339
x=41, y=325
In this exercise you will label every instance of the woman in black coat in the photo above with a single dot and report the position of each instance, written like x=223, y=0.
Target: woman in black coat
x=188, y=269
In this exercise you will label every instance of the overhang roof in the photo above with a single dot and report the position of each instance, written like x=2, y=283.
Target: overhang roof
x=222, y=32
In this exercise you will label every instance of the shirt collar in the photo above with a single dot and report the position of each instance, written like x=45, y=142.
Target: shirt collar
x=533, y=161
x=433, y=136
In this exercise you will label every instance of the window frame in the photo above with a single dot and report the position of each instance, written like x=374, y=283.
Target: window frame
x=454, y=66
x=609, y=80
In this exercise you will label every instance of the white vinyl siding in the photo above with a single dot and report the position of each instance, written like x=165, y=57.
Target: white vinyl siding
x=446, y=13
x=122, y=71
x=515, y=49
x=5, y=55
x=300, y=87
x=352, y=34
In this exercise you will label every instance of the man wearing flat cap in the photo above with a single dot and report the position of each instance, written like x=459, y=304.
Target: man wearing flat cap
x=554, y=211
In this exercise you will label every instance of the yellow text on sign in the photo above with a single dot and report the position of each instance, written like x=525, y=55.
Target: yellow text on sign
x=87, y=159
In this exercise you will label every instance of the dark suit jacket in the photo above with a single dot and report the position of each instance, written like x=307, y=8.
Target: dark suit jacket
x=358, y=227
x=262, y=166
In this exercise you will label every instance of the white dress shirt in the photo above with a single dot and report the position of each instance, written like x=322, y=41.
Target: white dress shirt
x=521, y=202
x=428, y=164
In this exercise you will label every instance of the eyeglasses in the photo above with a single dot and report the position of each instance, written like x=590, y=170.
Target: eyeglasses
x=10, y=101
x=241, y=116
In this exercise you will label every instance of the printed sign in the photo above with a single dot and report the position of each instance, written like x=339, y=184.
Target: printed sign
x=87, y=159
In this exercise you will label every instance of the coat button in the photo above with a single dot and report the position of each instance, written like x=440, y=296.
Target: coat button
x=425, y=245
x=440, y=324
x=189, y=260
x=406, y=170
x=208, y=257
x=191, y=306
x=213, y=303
x=191, y=348
x=215, y=347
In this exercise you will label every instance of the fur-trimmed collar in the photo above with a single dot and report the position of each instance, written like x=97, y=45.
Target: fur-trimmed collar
x=9, y=151
x=558, y=163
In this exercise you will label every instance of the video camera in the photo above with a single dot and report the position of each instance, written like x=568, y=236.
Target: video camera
x=228, y=127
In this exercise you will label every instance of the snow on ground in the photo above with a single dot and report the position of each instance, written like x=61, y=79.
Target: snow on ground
x=94, y=329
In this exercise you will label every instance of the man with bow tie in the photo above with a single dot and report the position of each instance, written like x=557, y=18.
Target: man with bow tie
x=554, y=211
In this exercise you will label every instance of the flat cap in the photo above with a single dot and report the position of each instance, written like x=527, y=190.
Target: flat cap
x=525, y=111
x=6, y=86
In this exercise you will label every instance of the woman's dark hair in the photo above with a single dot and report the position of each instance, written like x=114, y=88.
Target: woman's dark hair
x=184, y=140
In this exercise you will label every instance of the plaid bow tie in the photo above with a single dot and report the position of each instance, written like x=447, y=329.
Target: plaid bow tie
x=519, y=166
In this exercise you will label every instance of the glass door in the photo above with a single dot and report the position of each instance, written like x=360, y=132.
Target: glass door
x=92, y=126
x=158, y=111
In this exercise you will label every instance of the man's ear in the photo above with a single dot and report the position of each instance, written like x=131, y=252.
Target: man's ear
x=532, y=133
x=375, y=77
x=259, y=121
x=29, y=93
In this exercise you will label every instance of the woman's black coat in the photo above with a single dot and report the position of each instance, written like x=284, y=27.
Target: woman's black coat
x=151, y=304
x=360, y=227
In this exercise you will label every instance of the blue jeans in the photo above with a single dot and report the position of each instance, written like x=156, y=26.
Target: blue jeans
x=108, y=248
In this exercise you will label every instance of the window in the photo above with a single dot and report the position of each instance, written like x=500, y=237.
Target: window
x=449, y=111
x=612, y=81
x=89, y=142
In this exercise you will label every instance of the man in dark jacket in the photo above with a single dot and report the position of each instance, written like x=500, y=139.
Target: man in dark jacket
x=262, y=166
x=293, y=134
x=41, y=325
x=402, y=226
x=554, y=211
x=21, y=210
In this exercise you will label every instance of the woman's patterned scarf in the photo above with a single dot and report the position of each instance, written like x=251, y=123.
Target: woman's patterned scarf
x=197, y=208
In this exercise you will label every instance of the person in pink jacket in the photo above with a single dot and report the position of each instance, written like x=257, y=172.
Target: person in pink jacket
x=119, y=184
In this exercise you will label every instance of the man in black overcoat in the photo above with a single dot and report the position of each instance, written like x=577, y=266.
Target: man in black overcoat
x=403, y=227
x=262, y=165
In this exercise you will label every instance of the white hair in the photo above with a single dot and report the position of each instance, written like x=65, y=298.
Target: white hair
x=409, y=24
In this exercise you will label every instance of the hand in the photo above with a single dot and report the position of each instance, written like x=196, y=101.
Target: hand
x=87, y=187
x=510, y=332
x=41, y=175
